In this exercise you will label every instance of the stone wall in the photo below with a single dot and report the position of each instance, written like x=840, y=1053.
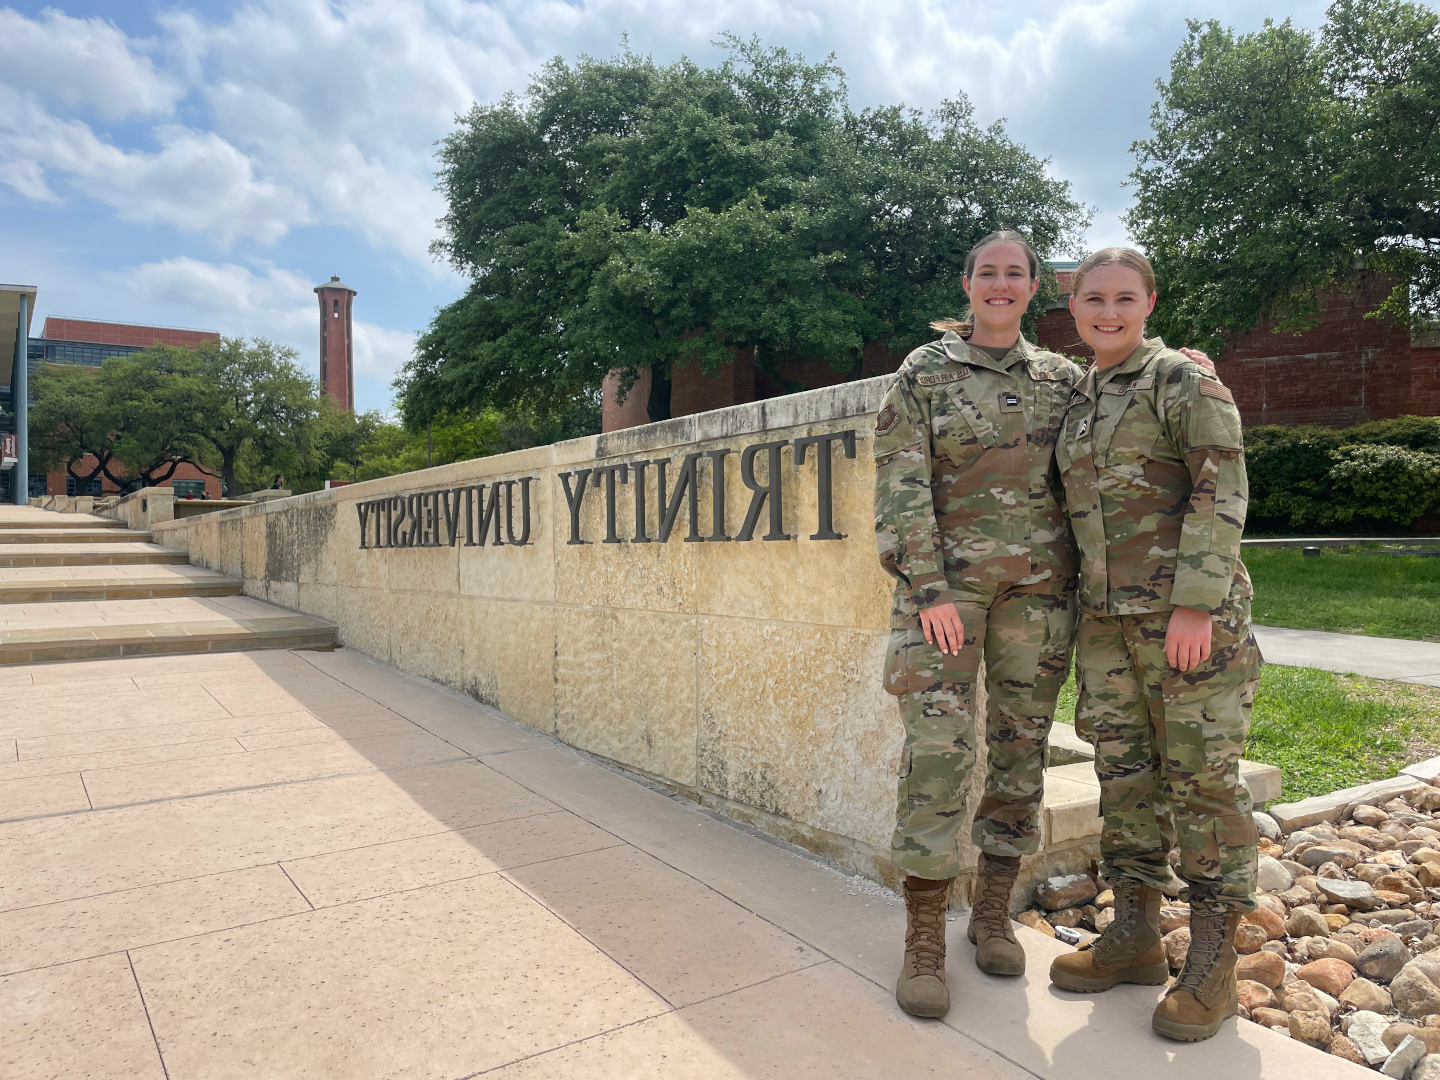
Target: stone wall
x=742, y=674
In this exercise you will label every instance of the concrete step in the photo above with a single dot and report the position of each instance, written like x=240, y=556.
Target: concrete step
x=121, y=554
x=9, y=535
x=83, y=630
x=29, y=517
x=36, y=584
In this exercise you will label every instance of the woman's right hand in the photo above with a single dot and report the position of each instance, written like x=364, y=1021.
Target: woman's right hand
x=943, y=627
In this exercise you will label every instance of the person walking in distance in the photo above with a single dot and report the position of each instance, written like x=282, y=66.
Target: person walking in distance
x=969, y=521
x=1153, y=465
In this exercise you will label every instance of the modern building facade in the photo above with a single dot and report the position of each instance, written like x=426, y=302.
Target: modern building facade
x=337, y=345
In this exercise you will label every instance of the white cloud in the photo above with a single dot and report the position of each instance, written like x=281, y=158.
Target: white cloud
x=83, y=63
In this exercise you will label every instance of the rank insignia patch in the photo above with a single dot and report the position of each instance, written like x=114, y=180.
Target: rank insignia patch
x=886, y=421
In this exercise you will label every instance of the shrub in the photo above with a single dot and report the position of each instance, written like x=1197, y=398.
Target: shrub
x=1383, y=472
x=1384, y=483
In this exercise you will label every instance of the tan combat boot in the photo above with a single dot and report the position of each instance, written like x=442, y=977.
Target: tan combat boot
x=1129, y=950
x=1204, y=995
x=921, y=990
x=997, y=952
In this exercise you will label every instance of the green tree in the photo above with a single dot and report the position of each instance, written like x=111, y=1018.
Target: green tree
x=260, y=410
x=1282, y=163
x=141, y=416
x=628, y=216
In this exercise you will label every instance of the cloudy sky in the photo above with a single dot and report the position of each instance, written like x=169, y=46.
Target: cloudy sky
x=207, y=164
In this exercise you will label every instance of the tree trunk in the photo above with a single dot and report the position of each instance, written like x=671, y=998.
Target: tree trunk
x=657, y=407
x=230, y=487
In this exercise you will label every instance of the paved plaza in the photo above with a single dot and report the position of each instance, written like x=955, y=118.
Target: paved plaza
x=305, y=864
x=227, y=857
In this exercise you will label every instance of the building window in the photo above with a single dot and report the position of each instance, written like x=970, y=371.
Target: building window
x=186, y=488
x=336, y=313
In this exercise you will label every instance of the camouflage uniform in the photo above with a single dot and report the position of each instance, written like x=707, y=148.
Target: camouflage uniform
x=1154, y=472
x=969, y=508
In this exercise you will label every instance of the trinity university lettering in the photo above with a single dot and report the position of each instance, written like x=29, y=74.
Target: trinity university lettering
x=488, y=514
x=440, y=518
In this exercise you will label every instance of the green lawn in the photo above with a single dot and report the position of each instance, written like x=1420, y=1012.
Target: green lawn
x=1345, y=591
x=1327, y=731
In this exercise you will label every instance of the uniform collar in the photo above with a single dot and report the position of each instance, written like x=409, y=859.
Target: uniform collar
x=959, y=350
x=1131, y=365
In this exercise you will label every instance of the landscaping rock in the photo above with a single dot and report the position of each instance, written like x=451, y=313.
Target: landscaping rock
x=1105, y=899
x=1353, y=894
x=1413, y=928
x=1311, y=1028
x=1249, y=938
x=1266, y=825
x=1365, y=995
x=1068, y=917
x=1320, y=948
x=1330, y=975
x=1383, y=960
x=1403, y=1059
x=1307, y=922
x=1342, y=1047
x=1337, y=804
x=1272, y=876
x=1316, y=858
x=1299, y=997
x=1272, y=1018
x=1427, y=1068
x=1395, y=1034
x=1263, y=967
x=1370, y=815
x=1254, y=995
x=1174, y=916
x=1427, y=770
x=1104, y=918
x=1268, y=921
x=1177, y=944
x=1072, y=890
x=1414, y=993
x=1035, y=921
x=1366, y=1030
x=1382, y=918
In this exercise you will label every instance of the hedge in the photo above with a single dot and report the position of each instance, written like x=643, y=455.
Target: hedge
x=1384, y=473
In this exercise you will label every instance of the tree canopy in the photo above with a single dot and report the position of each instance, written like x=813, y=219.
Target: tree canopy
x=624, y=215
x=1283, y=162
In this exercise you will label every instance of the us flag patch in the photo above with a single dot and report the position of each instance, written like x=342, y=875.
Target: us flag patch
x=1211, y=388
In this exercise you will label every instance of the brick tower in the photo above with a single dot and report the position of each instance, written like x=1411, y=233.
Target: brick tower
x=337, y=348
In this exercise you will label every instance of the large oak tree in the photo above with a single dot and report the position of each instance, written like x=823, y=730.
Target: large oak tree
x=625, y=215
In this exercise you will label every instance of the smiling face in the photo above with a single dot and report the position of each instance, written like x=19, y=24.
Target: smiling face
x=1110, y=308
x=1000, y=288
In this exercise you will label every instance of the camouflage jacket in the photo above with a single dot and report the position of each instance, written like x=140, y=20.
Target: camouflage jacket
x=1154, y=470
x=967, y=494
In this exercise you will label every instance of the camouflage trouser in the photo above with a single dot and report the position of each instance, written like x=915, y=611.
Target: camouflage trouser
x=1167, y=751
x=1025, y=632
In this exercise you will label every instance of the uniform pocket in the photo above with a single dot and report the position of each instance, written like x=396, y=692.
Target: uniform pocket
x=1060, y=625
x=913, y=664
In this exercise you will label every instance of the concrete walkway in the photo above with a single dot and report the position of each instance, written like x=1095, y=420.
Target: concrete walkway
x=1376, y=657
x=304, y=864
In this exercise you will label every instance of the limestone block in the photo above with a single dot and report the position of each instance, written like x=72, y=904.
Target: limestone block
x=1072, y=810
x=1427, y=770
x=1336, y=804
x=793, y=720
x=1068, y=748
x=252, y=547
x=508, y=658
x=1263, y=781
x=426, y=635
x=229, y=542
x=625, y=687
x=519, y=573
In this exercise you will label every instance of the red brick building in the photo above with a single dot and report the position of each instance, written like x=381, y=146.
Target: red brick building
x=1347, y=370
x=89, y=342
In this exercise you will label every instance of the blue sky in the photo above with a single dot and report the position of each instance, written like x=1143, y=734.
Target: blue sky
x=206, y=165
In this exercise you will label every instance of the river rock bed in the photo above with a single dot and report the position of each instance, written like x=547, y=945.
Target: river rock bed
x=1343, y=952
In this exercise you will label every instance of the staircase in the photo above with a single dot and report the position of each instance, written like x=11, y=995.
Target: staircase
x=78, y=587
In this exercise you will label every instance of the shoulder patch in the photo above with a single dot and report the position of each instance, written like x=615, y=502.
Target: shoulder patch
x=886, y=420
x=1211, y=388
x=943, y=377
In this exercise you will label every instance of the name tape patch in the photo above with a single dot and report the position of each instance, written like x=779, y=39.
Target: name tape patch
x=943, y=377
x=1211, y=388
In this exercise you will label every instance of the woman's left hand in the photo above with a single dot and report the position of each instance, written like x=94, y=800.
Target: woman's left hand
x=1203, y=359
x=1187, y=638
